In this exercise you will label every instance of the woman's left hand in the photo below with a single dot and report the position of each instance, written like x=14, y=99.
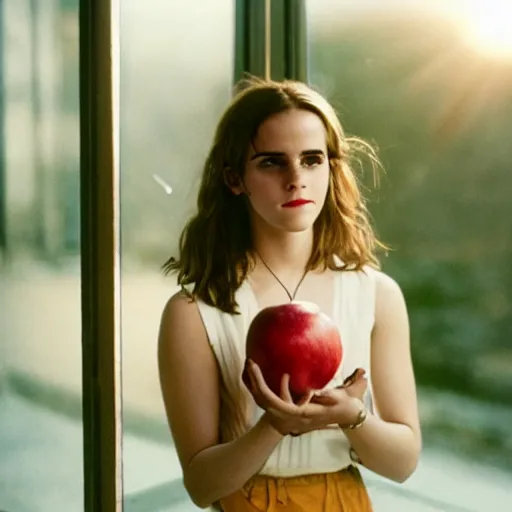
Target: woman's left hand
x=341, y=398
x=319, y=409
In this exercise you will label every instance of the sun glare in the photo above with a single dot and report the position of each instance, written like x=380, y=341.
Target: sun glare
x=488, y=26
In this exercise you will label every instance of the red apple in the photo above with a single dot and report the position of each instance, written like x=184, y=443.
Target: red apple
x=297, y=339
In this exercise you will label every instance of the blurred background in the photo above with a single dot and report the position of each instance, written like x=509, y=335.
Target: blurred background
x=429, y=83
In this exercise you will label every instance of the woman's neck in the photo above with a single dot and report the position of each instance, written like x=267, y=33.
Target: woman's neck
x=287, y=254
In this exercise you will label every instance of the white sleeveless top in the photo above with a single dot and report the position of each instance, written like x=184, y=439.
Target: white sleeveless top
x=321, y=451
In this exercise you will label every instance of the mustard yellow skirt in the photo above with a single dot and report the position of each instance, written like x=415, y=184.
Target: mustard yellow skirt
x=343, y=491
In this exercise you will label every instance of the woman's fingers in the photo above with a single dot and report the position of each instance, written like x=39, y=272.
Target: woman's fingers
x=306, y=399
x=255, y=386
x=285, y=389
x=256, y=376
x=286, y=394
x=283, y=407
x=257, y=395
x=325, y=398
x=357, y=388
x=270, y=399
x=355, y=376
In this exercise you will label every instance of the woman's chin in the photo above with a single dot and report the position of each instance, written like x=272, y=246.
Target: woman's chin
x=296, y=226
x=287, y=224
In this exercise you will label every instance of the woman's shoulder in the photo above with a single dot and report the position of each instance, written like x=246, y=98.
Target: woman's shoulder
x=384, y=283
x=181, y=331
x=185, y=308
x=370, y=283
x=367, y=272
x=388, y=295
x=180, y=310
x=183, y=300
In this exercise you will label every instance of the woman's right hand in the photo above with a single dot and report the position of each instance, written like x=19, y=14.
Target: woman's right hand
x=281, y=412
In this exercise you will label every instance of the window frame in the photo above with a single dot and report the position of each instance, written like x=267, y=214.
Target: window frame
x=100, y=265
x=283, y=51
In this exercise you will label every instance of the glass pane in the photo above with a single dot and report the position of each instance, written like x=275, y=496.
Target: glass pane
x=176, y=73
x=430, y=83
x=40, y=317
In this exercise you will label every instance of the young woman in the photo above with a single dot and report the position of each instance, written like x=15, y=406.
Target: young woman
x=279, y=218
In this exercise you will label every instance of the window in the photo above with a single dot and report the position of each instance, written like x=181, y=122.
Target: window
x=40, y=318
x=177, y=71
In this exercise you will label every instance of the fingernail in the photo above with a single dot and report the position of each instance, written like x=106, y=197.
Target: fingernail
x=353, y=375
x=360, y=373
x=349, y=380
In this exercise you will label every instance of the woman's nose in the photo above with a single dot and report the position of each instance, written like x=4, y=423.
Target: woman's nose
x=295, y=177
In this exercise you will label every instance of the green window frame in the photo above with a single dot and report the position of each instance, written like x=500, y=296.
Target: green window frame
x=271, y=39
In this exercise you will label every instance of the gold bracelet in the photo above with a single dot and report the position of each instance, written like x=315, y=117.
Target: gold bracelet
x=361, y=418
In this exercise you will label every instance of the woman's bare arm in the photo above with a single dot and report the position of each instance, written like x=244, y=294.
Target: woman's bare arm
x=189, y=379
x=391, y=443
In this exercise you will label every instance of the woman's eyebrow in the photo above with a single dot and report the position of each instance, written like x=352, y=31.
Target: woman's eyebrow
x=307, y=152
x=267, y=153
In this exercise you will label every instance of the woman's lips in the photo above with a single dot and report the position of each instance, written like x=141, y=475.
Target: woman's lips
x=296, y=202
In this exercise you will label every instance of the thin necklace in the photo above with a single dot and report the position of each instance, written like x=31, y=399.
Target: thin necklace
x=291, y=296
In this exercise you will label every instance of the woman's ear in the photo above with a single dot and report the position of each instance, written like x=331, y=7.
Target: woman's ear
x=233, y=181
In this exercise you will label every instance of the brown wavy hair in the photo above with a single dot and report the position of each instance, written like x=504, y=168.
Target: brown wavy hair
x=215, y=246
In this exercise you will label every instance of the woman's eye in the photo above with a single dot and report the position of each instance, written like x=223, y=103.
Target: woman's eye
x=270, y=162
x=312, y=161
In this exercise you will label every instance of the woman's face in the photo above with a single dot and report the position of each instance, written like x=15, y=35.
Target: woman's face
x=287, y=171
